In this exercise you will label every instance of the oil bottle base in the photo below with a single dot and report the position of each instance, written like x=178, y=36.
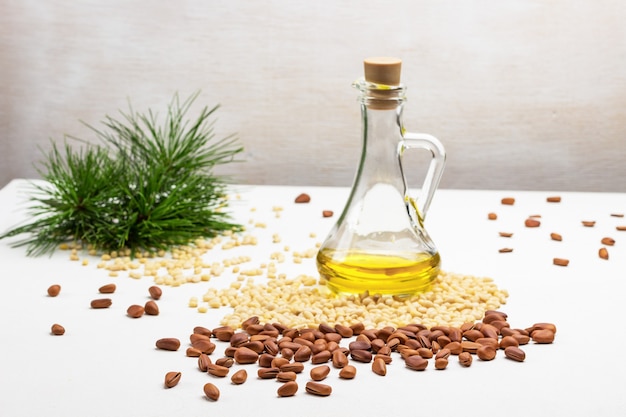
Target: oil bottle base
x=356, y=273
x=396, y=290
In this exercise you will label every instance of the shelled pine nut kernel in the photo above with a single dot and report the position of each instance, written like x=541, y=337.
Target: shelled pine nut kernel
x=453, y=300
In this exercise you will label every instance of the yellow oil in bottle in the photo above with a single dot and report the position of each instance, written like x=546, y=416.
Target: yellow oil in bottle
x=355, y=272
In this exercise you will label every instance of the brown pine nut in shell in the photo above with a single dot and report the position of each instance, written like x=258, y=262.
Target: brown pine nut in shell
x=268, y=373
x=203, y=362
x=57, y=329
x=347, y=372
x=542, y=336
x=211, y=391
x=168, y=343
x=319, y=373
x=107, y=289
x=172, y=379
x=515, y=353
x=486, y=353
x=288, y=389
x=339, y=359
x=286, y=376
x=296, y=367
x=135, y=311
x=416, y=363
x=151, y=308
x=155, y=292
x=465, y=359
x=239, y=377
x=54, y=290
x=244, y=355
x=101, y=303
x=531, y=222
x=507, y=341
x=217, y=370
x=316, y=388
x=441, y=363
x=379, y=367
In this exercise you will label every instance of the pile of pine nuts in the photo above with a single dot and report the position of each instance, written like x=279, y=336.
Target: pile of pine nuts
x=303, y=302
x=283, y=353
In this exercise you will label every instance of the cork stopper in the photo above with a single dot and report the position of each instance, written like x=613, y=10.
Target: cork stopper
x=383, y=70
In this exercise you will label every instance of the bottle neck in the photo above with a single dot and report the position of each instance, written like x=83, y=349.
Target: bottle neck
x=382, y=130
x=379, y=96
x=381, y=134
x=382, y=125
x=381, y=108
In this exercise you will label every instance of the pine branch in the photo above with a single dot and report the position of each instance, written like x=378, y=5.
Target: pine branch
x=144, y=186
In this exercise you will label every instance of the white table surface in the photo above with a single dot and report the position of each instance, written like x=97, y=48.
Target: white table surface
x=106, y=363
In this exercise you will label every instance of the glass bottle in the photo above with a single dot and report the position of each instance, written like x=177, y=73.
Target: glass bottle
x=379, y=243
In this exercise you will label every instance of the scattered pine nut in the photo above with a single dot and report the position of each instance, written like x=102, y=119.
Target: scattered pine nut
x=556, y=236
x=151, y=308
x=608, y=241
x=211, y=391
x=107, y=289
x=288, y=389
x=560, y=261
x=57, y=330
x=588, y=223
x=303, y=198
x=532, y=222
x=54, y=290
x=155, y=292
x=505, y=234
x=617, y=215
x=621, y=228
x=327, y=213
x=505, y=250
x=492, y=216
x=554, y=199
x=135, y=311
x=603, y=253
x=172, y=379
x=508, y=201
x=101, y=303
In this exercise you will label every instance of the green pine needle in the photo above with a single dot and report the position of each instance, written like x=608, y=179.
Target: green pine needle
x=146, y=186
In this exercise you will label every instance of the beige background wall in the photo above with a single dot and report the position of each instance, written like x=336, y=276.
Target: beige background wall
x=525, y=94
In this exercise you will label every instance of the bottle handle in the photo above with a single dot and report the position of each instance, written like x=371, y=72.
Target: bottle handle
x=435, y=169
